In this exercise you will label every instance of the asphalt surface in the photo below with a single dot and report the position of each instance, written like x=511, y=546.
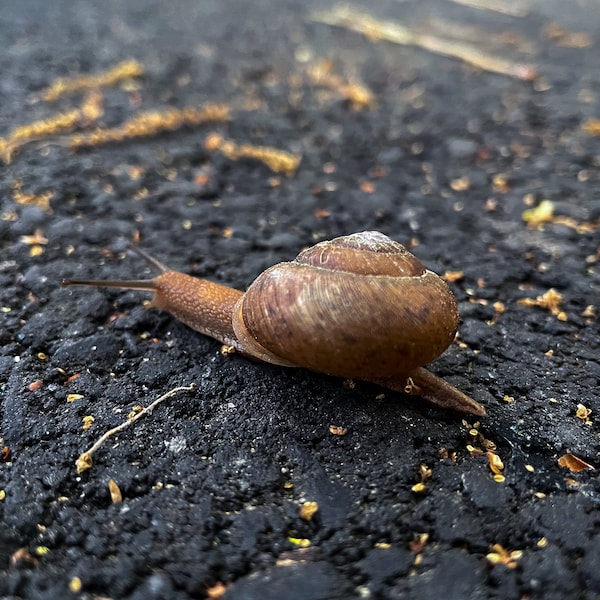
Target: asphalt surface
x=216, y=484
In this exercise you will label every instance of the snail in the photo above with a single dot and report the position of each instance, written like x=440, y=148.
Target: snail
x=359, y=306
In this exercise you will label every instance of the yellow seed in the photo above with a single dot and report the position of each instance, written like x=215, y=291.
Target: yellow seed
x=300, y=542
x=88, y=421
x=308, y=510
x=337, y=430
x=75, y=585
x=115, y=492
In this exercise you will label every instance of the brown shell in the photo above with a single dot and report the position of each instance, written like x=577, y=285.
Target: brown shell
x=359, y=306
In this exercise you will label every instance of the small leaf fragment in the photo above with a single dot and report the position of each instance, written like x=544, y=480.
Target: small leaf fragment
x=574, y=463
x=542, y=213
x=583, y=412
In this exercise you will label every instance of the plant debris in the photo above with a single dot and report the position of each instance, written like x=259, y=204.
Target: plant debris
x=345, y=16
x=84, y=461
x=574, y=463
x=150, y=123
x=126, y=69
x=549, y=300
x=278, y=161
x=500, y=556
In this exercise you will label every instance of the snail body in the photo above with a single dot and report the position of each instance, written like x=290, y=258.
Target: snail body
x=359, y=306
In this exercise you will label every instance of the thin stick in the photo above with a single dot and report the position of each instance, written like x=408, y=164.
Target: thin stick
x=84, y=461
x=391, y=31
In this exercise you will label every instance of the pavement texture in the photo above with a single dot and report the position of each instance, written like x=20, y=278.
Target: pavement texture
x=467, y=134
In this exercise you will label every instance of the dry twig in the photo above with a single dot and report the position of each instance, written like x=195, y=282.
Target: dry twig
x=374, y=29
x=84, y=461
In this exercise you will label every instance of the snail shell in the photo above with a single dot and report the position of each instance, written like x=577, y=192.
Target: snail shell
x=357, y=306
